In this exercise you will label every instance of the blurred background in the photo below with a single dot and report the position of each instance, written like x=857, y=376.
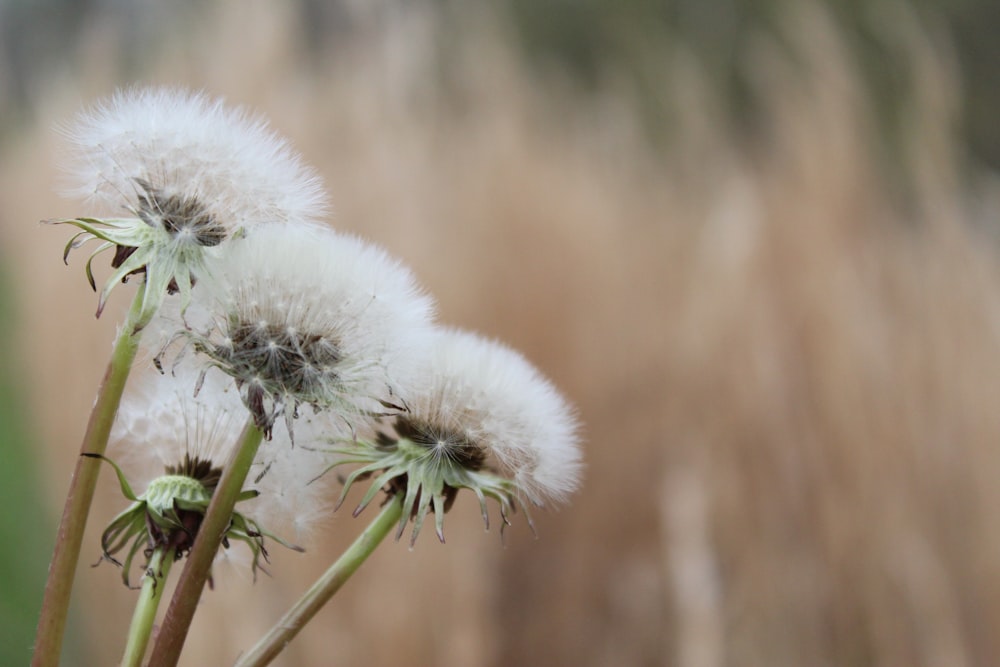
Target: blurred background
x=755, y=242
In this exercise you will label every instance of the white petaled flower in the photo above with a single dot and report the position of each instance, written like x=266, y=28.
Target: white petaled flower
x=483, y=419
x=188, y=173
x=299, y=314
x=174, y=446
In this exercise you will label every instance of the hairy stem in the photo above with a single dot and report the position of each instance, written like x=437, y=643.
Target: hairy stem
x=145, y=608
x=320, y=593
x=66, y=554
x=177, y=622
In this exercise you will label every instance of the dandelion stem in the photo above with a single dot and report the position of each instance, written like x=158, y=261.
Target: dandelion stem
x=66, y=554
x=177, y=622
x=320, y=593
x=153, y=584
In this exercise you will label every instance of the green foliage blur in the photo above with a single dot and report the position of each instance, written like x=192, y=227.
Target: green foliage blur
x=26, y=531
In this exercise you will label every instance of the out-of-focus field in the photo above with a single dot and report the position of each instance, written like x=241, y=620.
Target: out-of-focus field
x=785, y=353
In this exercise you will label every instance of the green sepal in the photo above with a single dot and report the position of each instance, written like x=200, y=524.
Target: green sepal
x=123, y=528
x=249, y=494
x=430, y=483
x=127, y=567
x=89, y=266
x=189, y=506
x=73, y=244
x=136, y=261
x=122, y=482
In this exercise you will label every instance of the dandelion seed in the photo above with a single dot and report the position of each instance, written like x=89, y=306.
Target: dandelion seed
x=483, y=419
x=190, y=173
x=300, y=315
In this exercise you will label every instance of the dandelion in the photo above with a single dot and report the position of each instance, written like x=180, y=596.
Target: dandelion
x=302, y=315
x=484, y=419
x=162, y=423
x=187, y=175
x=190, y=173
x=176, y=444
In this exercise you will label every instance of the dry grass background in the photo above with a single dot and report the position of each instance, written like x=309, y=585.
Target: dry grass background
x=789, y=378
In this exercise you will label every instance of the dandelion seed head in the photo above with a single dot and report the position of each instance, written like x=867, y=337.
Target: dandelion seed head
x=483, y=404
x=188, y=173
x=181, y=156
x=160, y=421
x=180, y=443
x=484, y=419
x=163, y=428
x=303, y=315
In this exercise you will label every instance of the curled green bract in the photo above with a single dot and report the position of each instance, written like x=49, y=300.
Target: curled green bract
x=427, y=478
x=168, y=240
x=167, y=260
x=169, y=513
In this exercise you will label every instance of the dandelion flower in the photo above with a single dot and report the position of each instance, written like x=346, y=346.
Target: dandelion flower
x=483, y=419
x=299, y=314
x=189, y=173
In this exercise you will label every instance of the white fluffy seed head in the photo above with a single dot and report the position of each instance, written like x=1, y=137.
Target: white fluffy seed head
x=189, y=145
x=481, y=392
x=304, y=315
x=161, y=420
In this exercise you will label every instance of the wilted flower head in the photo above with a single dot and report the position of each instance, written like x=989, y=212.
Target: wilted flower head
x=483, y=419
x=174, y=445
x=299, y=314
x=188, y=173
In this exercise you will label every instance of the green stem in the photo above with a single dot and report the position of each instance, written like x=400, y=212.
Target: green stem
x=177, y=622
x=66, y=554
x=320, y=593
x=145, y=608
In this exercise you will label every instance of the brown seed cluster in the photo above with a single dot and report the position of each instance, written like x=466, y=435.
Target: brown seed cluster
x=276, y=364
x=460, y=448
x=177, y=214
x=199, y=469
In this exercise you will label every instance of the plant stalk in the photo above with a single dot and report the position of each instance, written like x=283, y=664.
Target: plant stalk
x=320, y=593
x=153, y=584
x=177, y=622
x=66, y=553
